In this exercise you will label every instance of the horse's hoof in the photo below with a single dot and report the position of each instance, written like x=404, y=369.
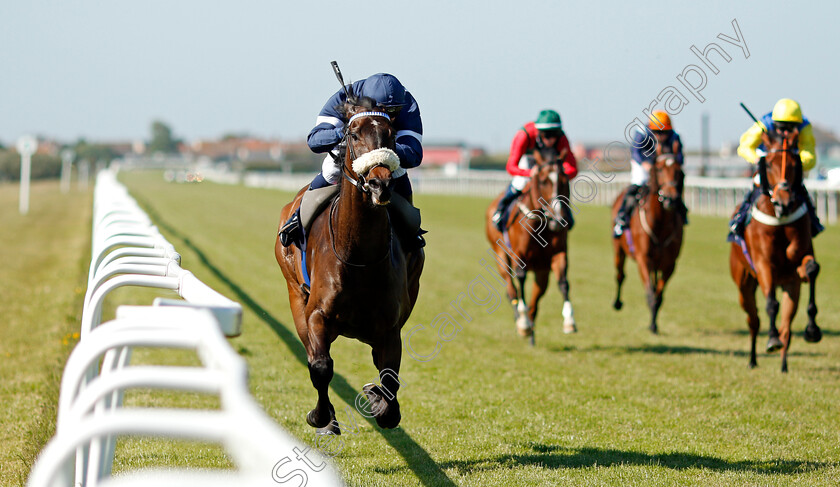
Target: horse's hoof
x=773, y=344
x=654, y=329
x=387, y=414
x=617, y=305
x=813, y=334
x=753, y=365
x=330, y=429
x=525, y=332
x=311, y=420
x=569, y=328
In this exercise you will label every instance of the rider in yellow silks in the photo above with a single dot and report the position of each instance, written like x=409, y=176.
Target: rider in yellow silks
x=785, y=117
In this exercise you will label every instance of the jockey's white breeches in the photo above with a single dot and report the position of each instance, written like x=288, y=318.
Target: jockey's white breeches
x=518, y=183
x=638, y=175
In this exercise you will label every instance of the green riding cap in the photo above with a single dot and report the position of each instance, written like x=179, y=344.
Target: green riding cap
x=548, y=120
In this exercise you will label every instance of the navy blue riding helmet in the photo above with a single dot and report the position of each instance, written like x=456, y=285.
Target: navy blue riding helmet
x=385, y=89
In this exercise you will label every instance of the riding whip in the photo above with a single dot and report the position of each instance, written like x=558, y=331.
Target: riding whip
x=746, y=110
x=338, y=75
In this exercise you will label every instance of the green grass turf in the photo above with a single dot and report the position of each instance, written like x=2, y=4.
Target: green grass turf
x=611, y=405
x=45, y=257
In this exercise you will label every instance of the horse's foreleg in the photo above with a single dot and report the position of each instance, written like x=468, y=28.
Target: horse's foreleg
x=382, y=398
x=538, y=290
x=773, y=341
x=320, y=370
x=790, y=303
x=808, y=271
x=504, y=270
x=619, y=257
x=560, y=266
x=649, y=278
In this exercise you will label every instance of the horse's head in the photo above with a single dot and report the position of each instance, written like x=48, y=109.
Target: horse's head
x=781, y=171
x=666, y=173
x=370, y=155
x=549, y=182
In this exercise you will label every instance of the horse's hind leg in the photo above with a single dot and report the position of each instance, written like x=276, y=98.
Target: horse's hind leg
x=382, y=399
x=808, y=271
x=746, y=296
x=320, y=372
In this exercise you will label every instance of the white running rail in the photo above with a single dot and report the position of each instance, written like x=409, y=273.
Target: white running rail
x=129, y=251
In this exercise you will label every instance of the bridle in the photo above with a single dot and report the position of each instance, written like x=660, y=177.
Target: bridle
x=783, y=184
x=670, y=184
x=539, y=209
x=361, y=183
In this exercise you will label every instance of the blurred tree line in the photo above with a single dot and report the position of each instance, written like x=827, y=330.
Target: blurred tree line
x=48, y=166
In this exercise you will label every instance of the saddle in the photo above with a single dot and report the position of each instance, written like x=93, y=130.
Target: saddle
x=405, y=218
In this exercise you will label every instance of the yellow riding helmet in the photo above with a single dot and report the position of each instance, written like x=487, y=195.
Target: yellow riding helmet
x=660, y=121
x=787, y=110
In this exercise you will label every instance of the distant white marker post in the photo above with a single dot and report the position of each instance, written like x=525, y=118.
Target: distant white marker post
x=67, y=156
x=26, y=146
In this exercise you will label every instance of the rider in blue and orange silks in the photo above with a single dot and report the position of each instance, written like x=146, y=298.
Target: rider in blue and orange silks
x=545, y=131
x=643, y=157
x=785, y=117
x=328, y=136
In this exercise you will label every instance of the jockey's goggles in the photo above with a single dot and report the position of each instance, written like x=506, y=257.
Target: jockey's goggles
x=785, y=126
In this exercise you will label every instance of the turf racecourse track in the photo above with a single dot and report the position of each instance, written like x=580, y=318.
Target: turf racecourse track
x=610, y=405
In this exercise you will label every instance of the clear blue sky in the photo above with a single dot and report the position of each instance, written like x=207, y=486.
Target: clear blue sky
x=479, y=69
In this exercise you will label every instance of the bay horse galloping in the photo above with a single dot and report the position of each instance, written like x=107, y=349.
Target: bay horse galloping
x=655, y=234
x=535, y=239
x=363, y=285
x=777, y=250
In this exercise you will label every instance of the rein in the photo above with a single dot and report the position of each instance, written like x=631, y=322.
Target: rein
x=643, y=214
x=335, y=251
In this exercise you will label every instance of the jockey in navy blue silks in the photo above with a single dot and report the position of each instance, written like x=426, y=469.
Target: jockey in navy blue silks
x=643, y=158
x=328, y=133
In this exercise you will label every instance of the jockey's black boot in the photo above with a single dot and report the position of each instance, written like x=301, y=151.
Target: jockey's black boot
x=569, y=216
x=816, y=226
x=410, y=243
x=292, y=230
x=683, y=210
x=681, y=202
x=509, y=196
x=739, y=219
x=622, y=217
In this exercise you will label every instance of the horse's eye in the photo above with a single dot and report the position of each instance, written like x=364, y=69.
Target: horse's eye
x=354, y=135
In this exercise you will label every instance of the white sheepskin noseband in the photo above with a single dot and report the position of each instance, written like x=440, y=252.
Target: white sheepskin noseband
x=377, y=157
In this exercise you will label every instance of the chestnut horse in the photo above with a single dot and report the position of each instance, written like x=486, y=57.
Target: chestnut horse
x=363, y=285
x=655, y=235
x=536, y=241
x=777, y=250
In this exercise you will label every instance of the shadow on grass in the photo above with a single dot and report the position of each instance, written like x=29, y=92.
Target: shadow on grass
x=556, y=457
x=763, y=332
x=418, y=460
x=676, y=350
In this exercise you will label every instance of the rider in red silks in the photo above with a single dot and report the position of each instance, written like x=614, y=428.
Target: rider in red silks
x=546, y=131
